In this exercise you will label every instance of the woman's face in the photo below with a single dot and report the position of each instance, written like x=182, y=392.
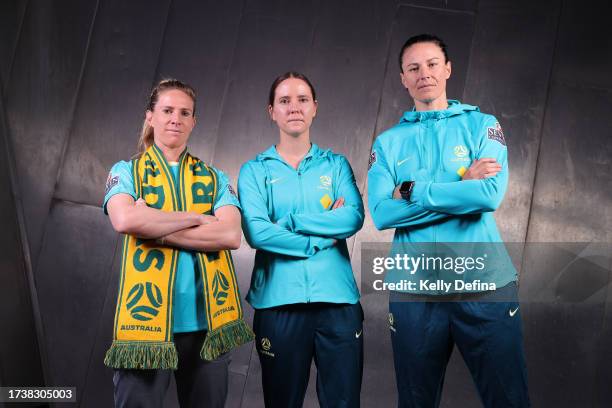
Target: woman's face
x=425, y=72
x=172, y=119
x=294, y=107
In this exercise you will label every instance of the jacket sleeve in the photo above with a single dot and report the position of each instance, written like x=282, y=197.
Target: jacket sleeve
x=260, y=232
x=470, y=196
x=386, y=211
x=340, y=223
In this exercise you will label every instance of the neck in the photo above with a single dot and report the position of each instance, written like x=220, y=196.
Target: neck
x=436, y=104
x=171, y=154
x=293, y=148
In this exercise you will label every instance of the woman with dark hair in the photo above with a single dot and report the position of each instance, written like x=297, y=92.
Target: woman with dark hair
x=178, y=306
x=300, y=203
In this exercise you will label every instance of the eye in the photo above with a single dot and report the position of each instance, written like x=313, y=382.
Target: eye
x=167, y=110
x=432, y=64
x=284, y=101
x=304, y=100
x=186, y=113
x=413, y=69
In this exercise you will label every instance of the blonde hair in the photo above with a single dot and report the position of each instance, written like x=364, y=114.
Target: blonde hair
x=146, y=134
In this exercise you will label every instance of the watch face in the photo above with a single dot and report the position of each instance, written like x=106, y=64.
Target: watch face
x=406, y=189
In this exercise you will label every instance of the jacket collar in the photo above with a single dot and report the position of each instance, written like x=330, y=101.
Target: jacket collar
x=271, y=153
x=454, y=108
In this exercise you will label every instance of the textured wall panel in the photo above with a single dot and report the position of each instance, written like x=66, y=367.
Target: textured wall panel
x=573, y=202
x=274, y=37
x=72, y=282
x=198, y=48
x=40, y=101
x=97, y=388
x=19, y=352
x=508, y=78
x=120, y=67
x=11, y=17
x=458, y=5
x=574, y=164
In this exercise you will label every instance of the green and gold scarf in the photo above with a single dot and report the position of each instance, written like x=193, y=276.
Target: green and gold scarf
x=142, y=336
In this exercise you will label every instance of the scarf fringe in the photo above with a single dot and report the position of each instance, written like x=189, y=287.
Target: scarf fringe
x=225, y=338
x=142, y=355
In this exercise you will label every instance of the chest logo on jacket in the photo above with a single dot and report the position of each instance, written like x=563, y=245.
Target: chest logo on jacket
x=326, y=182
x=461, y=154
x=326, y=201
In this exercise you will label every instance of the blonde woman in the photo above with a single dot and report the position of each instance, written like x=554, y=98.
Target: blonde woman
x=178, y=306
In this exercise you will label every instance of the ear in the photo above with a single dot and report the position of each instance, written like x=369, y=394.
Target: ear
x=316, y=105
x=403, y=79
x=271, y=112
x=148, y=117
x=448, y=69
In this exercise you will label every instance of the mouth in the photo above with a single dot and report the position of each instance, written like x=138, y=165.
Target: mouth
x=295, y=120
x=428, y=86
x=174, y=131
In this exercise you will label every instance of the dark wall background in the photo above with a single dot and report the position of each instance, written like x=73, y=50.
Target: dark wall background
x=74, y=77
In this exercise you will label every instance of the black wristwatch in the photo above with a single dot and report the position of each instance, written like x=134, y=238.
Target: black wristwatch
x=406, y=189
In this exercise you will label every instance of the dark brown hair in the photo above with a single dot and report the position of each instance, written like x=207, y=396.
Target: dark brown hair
x=287, y=75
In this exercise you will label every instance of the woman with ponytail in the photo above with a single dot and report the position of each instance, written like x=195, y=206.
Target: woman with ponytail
x=178, y=306
x=300, y=203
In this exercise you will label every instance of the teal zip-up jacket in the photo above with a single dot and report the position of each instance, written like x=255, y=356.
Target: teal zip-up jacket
x=434, y=149
x=301, y=243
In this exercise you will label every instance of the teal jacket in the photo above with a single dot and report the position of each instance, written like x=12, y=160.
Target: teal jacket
x=301, y=243
x=434, y=148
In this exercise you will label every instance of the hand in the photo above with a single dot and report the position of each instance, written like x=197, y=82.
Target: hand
x=481, y=169
x=338, y=203
x=396, y=192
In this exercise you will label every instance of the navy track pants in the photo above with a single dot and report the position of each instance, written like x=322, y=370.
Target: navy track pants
x=289, y=337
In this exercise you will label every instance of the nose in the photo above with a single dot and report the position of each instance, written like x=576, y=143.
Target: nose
x=294, y=107
x=175, y=117
x=425, y=74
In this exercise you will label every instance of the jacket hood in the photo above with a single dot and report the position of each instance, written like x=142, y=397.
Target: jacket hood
x=271, y=153
x=454, y=108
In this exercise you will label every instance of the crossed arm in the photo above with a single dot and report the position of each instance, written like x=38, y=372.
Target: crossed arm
x=480, y=190
x=181, y=229
x=298, y=235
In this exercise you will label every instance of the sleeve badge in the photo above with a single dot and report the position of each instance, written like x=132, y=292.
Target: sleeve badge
x=496, y=133
x=111, y=182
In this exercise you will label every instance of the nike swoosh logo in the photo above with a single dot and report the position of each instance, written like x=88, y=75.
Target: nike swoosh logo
x=513, y=312
x=400, y=162
x=357, y=335
x=274, y=180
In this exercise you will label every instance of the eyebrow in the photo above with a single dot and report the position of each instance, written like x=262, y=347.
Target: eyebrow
x=299, y=96
x=174, y=107
x=430, y=59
